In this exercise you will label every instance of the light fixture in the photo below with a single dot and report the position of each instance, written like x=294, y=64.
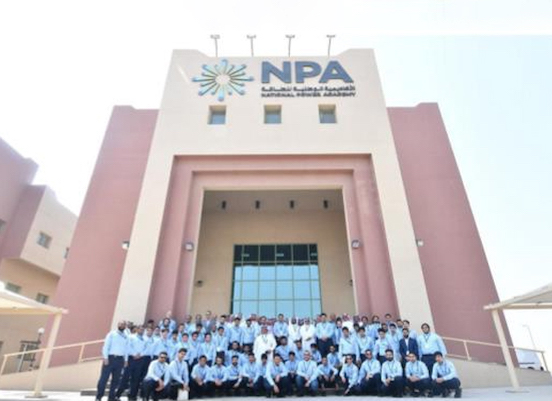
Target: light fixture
x=419, y=242
x=326, y=204
x=292, y=204
x=289, y=37
x=216, y=38
x=41, y=331
x=251, y=38
x=199, y=283
x=257, y=204
x=351, y=282
x=189, y=246
x=125, y=245
x=355, y=243
x=223, y=205
x=330, y=37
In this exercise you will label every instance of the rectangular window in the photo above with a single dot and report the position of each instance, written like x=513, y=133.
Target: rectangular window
x=273, y=114
x=13, y=288
x=43, y=299
x=276, y=278
x=2, y=225
x=44, y=240
x=217, y=115
x=327, y=114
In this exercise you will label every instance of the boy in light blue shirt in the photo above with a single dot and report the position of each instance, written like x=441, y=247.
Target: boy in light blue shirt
x=445, y=378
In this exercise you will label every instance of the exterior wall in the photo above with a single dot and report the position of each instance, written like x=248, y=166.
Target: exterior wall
x=33, y=280
x=182, y=131
x=457, y=275
x=221, y=230
x=90, y=282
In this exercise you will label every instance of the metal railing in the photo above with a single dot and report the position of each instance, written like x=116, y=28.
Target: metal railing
x=467, y=356
x=82, y=346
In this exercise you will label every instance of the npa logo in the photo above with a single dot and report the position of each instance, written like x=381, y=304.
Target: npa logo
x=222, y=79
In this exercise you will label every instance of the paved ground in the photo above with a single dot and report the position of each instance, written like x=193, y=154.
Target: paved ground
x=542, y=393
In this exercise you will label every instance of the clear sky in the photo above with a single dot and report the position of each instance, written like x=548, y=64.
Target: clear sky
x=64, y=64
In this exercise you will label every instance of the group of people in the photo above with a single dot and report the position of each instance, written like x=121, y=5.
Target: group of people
x=275, y=357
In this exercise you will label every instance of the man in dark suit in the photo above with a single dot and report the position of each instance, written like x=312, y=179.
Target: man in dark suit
x=406, y=346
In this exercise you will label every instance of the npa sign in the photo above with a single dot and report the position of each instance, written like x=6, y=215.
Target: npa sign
x=290, y=79
x=304, y=69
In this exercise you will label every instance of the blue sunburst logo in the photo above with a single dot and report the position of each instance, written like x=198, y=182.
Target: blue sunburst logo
x=221, y=79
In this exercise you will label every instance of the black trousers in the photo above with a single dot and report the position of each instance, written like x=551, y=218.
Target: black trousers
x=113, y=369
x=452, y=384
x=131, y=378
x=198, y=391
x=371, y=386
x=429, y=360
x=283, y=385
x=330, y=383
x=149, y=390
x=252, y=388
x=324, y=346
x=395, y=387
x=419, y=385
x=174, y=386
x=354, y=389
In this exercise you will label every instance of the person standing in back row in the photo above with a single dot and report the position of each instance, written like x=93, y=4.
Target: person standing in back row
x=428, y=344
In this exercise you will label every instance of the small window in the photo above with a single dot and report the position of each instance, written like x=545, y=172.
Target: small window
x=327, y=114
x=66, y=253
x=44, y=240
x=13, y=288
x=273, y=114
x=2, y=225
x=43, y=299
x=217, y=115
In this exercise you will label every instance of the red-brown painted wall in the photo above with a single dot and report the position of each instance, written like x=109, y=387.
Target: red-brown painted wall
x=90, y=282
x=456, y=271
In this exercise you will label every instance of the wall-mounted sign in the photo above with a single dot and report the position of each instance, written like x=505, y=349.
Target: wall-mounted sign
x=221, y=79
x=304, y=69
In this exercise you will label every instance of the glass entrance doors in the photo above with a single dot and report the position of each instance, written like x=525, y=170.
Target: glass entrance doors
x=278, y=278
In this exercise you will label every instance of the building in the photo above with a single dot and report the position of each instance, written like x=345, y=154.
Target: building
x=274, y=185
x=35, y=234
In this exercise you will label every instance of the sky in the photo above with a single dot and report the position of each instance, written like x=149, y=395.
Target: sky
x=65, y=64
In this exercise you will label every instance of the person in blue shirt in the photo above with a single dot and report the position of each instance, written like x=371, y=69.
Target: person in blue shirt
x=364, y=343
x=444, y=376
x=333, y=357
x=252, y=381
x=199, y=383
x=338, y=327
x=428, y=344
x=315, y=354
x=280, y=328
x=374, y=327
x=174, y=345
x=298, y=349
x=392, y=376
x=276, y=381
x=407, y=345
x=417, y=375
x=232, y=379
x=249, y=334
x=115, y=358
x=156, y=381
x=221, y=342
x=132, y=375
x=324, y=334
x=235, y=333
x=411, y=332
x=148, y=352
x=307, y=375
x=208, y=349
x=291, y=366
x=283, y=349
x=326, y=374
x=349, y=376
x=162, y=345
x=348, y=346
x=233, y=351
x=217, y=376
x=369, y=376
x=178, y=375
x=381, y=345
x=394, y=337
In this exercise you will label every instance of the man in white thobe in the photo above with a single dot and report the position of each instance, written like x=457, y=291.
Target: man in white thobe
x=264, y=344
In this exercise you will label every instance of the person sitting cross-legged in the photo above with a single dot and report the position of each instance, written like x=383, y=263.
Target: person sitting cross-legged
x=417, y=376
x=392, y=376
x=445, y=377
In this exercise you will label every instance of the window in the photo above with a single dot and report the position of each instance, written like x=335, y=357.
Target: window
x=44, y=240
x=66, y=253
x=2, y=225
x=327, y=114
x=13, y=288
x=273, y=114
x=217, y=115
x=43, y=299
x=271, y=279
